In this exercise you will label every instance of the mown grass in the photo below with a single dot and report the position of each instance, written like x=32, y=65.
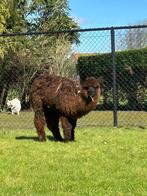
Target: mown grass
x=95, y=118
x=102, y=161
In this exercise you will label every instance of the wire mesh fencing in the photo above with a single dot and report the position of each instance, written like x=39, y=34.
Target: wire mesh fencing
x=118, y=55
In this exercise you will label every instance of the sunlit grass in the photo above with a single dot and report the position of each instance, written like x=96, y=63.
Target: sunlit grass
x=102, y=161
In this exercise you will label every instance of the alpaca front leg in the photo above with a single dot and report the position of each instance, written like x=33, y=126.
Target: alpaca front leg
x=39, y=121
x=68, y=126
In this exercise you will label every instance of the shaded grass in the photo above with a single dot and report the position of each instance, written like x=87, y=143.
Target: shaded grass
x=95, y=118
x=102, y=161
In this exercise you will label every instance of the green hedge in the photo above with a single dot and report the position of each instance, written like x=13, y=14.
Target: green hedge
x=131, y=69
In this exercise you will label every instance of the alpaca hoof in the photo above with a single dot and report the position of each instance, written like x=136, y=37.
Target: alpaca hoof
x=58, y=139
x=68, y=140
x=42, y=139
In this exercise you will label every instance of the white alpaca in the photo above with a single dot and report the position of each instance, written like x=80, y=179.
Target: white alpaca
x=14, y=105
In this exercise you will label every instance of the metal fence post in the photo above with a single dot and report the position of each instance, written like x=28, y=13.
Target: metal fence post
x=115, y=121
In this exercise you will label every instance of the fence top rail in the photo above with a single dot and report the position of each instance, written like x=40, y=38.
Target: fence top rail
x=71, y=31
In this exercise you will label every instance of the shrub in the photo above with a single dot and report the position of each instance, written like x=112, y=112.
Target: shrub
x=131, y=70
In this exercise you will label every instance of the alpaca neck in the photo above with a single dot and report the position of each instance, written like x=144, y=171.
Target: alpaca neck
x=85, y=105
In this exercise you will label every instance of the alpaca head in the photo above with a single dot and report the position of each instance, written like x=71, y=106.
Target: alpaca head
x=90, y=89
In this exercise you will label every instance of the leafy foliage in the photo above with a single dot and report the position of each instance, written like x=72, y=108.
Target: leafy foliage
x=131, y=68
x=22, y=57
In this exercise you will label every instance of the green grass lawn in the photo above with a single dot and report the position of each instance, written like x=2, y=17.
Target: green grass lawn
x=102, y=161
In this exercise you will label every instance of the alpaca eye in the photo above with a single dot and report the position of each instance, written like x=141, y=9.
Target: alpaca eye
x=97, y=86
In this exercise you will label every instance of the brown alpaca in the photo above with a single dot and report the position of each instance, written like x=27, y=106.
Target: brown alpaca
x=56, y=97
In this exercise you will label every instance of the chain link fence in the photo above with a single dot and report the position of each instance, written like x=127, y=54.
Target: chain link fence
x=118, y=55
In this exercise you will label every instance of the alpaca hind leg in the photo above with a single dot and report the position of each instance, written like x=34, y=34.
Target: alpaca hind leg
x=39, y=121
x=52, y=121
x=68, y=126
x=73, y=122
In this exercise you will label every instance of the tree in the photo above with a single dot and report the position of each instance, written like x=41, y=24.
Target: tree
x=136, y=38
x=4, y=15
x=24, y=56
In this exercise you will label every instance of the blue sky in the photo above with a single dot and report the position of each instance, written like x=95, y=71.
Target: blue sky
x=103, y=13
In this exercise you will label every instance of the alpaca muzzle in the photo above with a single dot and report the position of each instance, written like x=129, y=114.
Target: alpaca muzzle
x=91, y=92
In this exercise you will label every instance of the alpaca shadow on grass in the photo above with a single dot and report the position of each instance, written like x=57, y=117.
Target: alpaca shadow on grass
x=34, y=138
x=51, y=138
x=27, y=138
